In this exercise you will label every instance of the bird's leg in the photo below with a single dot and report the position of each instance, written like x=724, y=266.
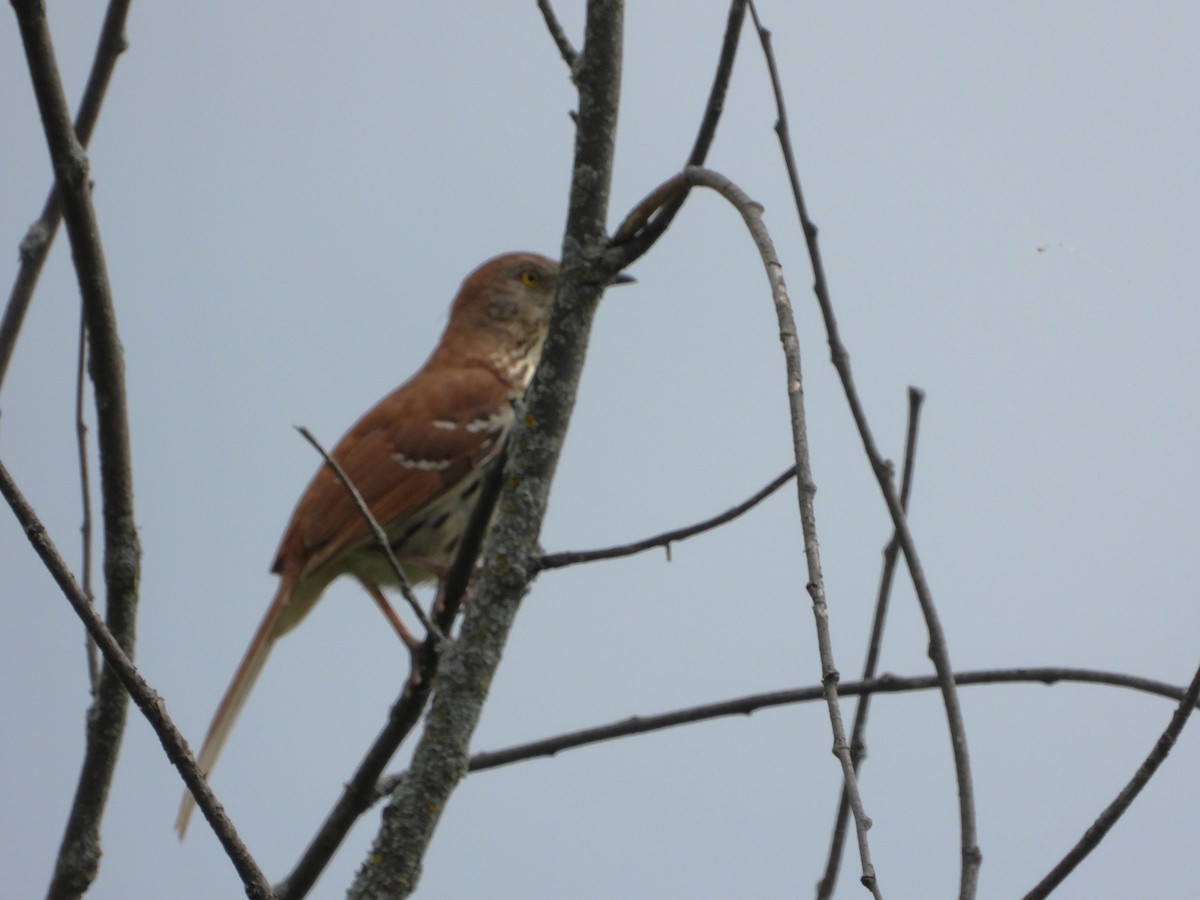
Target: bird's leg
x=385, y=607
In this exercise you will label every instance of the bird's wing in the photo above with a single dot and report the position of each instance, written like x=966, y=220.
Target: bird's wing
x=403, y=455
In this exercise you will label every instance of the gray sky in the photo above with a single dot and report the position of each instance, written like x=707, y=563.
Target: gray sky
x=1008, y=207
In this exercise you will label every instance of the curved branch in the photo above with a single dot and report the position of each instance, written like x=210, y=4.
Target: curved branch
x=751, y=214
x=1098, y=829
x=636, y=241
x=744, y=706
x=569, y=54
x=573, y=557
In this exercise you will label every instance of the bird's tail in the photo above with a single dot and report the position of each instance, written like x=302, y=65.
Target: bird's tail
x=271, y=627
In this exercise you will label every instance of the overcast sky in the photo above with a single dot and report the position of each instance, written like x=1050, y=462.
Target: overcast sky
x=1008, y=203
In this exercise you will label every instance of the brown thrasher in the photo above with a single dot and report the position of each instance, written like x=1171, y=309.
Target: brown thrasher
x=417, y=458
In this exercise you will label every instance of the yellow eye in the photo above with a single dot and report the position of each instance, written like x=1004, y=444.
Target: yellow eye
x=529, y=278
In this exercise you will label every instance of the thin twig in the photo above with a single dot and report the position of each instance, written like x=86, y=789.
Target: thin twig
x=85, y=492
x=35, y=246
x=79, y=852
x=360, y=792
x=568, y=53
x=744, y=706
x=1098, y=829
x=119, y=665
x=637, y=239
x=751, y=214
x=377, y=532
x=752, y=703
x=828, y=882
x=667, y=538
x=939, y=653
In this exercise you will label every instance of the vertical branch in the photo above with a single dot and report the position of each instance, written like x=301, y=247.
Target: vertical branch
x=858, y=731
x=85, y=491
x=36, y=245
x=393, y=865
x=939, y=652
x=79, y=853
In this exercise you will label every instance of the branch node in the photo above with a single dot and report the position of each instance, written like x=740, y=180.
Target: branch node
x=34, y=242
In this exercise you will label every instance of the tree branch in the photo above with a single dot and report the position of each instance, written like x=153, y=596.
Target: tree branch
x=744, y=706
x=85, y=497
x=35, y=247
x=393, y=864
x=637, y=241
x=117, y=665
x=828, y=882
x=79, y=853
x=751, y=213
x=377, y=532
x=938, y=650
x=573, y=557
x=1098, y=829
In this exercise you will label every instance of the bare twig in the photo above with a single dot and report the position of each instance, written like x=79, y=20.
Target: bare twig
x=377, y=532
x=744, y=706
x=667, y=538
x=1098, y=829
x=568, y=53
x=833, y=862
x=119, y=666
x=939, y=653
x=360, y=792
x=35, y=247
x=79, y=853
x=85, y=492
x=751, y=214
x=635, y=241
x=467, y=670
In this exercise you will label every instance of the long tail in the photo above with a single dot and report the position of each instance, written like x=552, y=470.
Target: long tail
x=271, y=627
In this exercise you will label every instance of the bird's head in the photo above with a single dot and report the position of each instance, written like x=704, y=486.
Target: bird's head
x=501, y=314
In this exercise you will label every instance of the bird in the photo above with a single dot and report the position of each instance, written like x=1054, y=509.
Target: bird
x=417, y=457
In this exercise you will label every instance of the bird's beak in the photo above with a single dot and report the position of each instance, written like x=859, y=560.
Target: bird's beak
x=622, y=278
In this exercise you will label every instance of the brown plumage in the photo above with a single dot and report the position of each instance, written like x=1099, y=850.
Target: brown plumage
x=416, y=457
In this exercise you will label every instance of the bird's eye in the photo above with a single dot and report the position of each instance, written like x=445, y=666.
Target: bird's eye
x=529, y=278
